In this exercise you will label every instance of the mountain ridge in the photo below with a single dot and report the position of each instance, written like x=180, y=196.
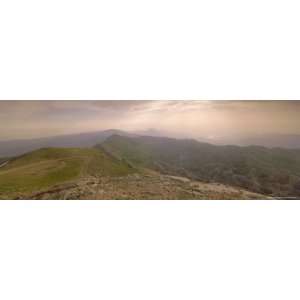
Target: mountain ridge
x=273, y=171
x=10, y=148
x=269, y=172
x=15, y=147
x=47, y=167
x=90, y=173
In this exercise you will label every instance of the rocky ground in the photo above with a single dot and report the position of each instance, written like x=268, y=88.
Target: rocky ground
x=142, y=186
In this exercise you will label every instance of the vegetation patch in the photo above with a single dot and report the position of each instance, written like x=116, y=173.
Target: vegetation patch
x=47, y=167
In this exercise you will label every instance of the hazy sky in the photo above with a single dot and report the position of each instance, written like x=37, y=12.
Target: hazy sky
x=214, y=120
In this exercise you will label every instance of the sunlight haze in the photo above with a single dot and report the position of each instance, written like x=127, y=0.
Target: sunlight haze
x=215, y=121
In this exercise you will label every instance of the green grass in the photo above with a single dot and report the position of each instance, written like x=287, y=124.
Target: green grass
x=47, y=167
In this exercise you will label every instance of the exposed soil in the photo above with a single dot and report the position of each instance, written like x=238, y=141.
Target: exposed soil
x=143, y=186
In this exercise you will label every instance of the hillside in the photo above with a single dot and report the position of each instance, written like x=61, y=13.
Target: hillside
x=122, y=167
x=77, y=173
x=45, y=168
x=275, y=172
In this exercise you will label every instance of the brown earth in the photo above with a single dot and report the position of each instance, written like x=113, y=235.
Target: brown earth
x=148, y=185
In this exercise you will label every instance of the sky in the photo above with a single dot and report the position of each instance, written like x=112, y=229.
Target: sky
x=209, y=120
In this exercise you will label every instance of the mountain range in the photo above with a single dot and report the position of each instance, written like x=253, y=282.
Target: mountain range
x=121, y=165
x=287, y=141
x=273, y=171
x=82, y=140
x=89, y=139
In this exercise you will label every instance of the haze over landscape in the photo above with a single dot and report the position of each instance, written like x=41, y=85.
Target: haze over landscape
x=149, y=149
x=219, y=122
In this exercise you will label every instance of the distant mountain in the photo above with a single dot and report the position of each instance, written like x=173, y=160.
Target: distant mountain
x=9, y=148
x=89, y=139
x=151, y=132
x=271, y=141
x=287, y=141
x=268, y=171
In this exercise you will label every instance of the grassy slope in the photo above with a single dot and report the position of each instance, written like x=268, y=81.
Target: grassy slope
x=262, y=170
x=50, y=166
